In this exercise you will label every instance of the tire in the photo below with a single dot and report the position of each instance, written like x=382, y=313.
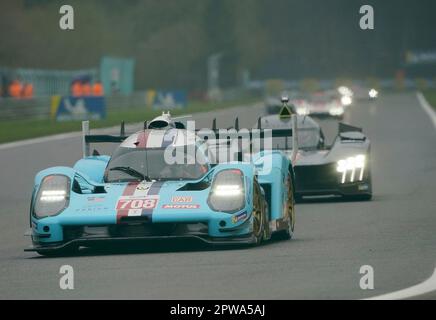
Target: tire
x=267, y=231
x=259, y=217
x=290, y=215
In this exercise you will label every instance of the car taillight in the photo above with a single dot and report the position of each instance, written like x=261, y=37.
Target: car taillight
x=53, y=196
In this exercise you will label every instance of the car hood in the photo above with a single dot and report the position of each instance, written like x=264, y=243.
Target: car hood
x=160, y=199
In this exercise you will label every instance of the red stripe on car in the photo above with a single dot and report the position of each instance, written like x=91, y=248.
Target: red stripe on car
x=128, y=191
x=142, y=139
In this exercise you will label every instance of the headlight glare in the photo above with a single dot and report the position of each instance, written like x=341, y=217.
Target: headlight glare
x=359, y=161
x=345, y=91
x=53, y=196
x=350, y=166
x=346, y=100
x=373, y=93
x=336, y=111
x=302, y=111
x=227, y=191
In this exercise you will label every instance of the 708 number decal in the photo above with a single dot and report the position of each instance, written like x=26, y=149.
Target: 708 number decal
x=127, y=203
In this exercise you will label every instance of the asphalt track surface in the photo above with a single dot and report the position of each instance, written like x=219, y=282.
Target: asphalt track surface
x=394, y=233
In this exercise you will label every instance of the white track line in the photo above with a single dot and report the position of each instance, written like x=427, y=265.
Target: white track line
x=62, y=136
x=427, y=107
x=67, y=135
x=427, y=286
x=27, y=142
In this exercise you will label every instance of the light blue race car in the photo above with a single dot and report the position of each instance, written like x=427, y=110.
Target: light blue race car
x=163, y=183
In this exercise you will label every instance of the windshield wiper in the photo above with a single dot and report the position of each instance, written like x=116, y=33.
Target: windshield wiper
x=132, y=172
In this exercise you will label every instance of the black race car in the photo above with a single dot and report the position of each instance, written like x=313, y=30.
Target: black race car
x=342, y=169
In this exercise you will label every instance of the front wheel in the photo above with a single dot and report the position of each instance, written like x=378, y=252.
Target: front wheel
x=259, y=216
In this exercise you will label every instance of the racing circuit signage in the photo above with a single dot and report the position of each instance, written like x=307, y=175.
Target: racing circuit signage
x=78, y=108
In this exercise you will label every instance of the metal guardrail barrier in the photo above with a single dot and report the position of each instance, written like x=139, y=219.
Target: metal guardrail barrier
x=19, y=109
x=39, y=107
x=47, y=82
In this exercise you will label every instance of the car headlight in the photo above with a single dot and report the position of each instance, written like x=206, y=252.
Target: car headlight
x=352, y=168
x=346, y=100
x=302, y=111
x=373, y=93
x=336, y=111
x=227, y=193
x=345, y=91
x=53, y=196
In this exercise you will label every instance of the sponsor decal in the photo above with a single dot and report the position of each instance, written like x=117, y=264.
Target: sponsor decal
x=166, y=100
x=96, y=199
x=138, y=199
x=181, y=199
x=137, y=202
x=78, y=108
x=128, y=191
x=180, y=206
x=142, y=187
x=92, y=209
x=239, y=217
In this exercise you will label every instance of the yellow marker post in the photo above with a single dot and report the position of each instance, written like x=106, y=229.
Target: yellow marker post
x=54, y=106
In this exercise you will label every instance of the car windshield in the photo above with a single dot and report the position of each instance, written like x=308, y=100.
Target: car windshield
x=129, y=164
x=308, y=139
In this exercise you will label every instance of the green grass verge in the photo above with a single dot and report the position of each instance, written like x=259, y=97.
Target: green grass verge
x=430, y=96
x=25, y=129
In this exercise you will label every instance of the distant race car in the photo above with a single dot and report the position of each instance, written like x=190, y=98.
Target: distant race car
x=322, y=104
x=358, y=93
x=273, y=105
x=137, y=194
x=342, y=169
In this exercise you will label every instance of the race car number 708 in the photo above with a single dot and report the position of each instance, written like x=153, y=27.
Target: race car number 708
x=128, y=203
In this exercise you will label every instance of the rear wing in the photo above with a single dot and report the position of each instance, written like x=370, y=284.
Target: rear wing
x=258, y=133
x=87, y=138
x=343, y=127
x=348, y=133
x=234, y=133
